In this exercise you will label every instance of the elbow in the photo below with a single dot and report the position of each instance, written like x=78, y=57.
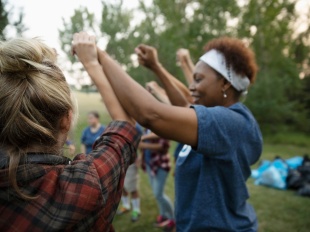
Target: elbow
x=147, y=118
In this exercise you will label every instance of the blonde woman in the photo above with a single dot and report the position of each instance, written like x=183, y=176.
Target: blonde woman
x=41, y=190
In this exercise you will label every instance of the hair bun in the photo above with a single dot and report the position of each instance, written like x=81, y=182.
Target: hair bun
x=23, y=55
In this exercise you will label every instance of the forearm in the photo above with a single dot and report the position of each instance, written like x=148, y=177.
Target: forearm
x=160, y=96
x=151, y=146
x=149, y=136
x=188, y=72
x=113, y=106
x=184, y=89
x=171, y=85
x=136, y=100
x=162, y=119
x=190, y=64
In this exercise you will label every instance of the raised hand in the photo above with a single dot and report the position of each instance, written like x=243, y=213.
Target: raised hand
x=84, y=46
x=183, y=55
x=147, y=56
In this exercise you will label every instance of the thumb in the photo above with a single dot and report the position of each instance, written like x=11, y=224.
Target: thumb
x=142, y=47
x=140, y=53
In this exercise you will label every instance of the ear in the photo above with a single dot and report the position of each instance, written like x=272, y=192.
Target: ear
x=65, y=122
x=225, y=85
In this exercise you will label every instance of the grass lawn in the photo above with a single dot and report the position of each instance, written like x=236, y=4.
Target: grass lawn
x=277, y=210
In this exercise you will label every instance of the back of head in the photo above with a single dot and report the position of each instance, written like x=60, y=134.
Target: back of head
x=237, y=55
x=34, y=96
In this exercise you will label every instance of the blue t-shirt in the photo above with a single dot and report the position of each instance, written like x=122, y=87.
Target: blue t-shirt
x=211, y=192
x=88, y=137
x=177, y=150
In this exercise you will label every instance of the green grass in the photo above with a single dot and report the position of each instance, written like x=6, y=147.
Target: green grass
x=277, y=210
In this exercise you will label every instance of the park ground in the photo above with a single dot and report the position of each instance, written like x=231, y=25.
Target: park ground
x=277, y=210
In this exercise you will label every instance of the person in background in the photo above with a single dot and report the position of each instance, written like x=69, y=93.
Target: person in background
x=92, y=132
x=222, y=136
x=131, y=189
x=156, y=163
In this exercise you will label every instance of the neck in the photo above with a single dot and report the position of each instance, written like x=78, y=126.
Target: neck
x=95, y=126
x=56, y=149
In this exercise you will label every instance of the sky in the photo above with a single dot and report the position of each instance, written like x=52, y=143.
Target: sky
x=43, y=18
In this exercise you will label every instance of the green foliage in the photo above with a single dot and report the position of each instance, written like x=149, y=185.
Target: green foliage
x=279, y=99
x=273, y=99
x=82, y=20
x=4, y=21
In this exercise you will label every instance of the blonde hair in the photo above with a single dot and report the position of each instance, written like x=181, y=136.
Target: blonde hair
x=34, y=97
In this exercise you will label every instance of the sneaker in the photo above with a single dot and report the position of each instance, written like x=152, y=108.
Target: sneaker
x=122, y=210
x=168, y=225
x=159, y=220
x=135, y=216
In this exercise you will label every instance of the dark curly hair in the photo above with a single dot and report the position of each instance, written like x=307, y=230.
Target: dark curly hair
x=240, y=57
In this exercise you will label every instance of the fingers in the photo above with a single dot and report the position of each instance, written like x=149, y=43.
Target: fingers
x=146, y=48
x=82, y=38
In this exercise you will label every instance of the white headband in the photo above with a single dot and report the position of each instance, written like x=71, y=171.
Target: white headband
x=217, y=61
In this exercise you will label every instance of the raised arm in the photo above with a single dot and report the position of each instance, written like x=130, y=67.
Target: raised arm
x=177, y=92
x=84, y=47
x=151, y=146
x=158, y=92
x=162, y=119
x=149, y=136
x=186, y=64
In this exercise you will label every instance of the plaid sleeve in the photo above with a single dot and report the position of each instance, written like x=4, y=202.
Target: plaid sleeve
x=80, y=196
x=122, y=137
x=112, y=153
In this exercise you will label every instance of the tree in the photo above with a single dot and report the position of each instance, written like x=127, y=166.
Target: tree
x=266, y=25
x=81, y=20
x=4, y=21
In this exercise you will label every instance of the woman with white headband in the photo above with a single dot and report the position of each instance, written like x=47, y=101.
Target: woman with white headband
x=223, y=137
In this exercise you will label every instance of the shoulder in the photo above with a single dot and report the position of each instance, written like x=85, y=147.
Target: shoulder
x=236, y=113
x=86, y=130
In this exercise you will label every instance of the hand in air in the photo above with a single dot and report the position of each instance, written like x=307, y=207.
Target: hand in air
x=182, y=55
x=147, y=56
x=84, y=46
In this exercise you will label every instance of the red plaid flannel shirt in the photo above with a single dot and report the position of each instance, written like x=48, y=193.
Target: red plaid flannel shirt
x=81, y=196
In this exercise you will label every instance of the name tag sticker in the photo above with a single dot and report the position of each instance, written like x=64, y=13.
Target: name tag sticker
x=185, y=151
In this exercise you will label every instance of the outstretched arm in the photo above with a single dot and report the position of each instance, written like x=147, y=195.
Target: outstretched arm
x=84, y=47
x=177, y=92
x=158, y=92
x=162, y=119
x=186, y=64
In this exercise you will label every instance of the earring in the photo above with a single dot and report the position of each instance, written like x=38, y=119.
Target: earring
x=224, y=94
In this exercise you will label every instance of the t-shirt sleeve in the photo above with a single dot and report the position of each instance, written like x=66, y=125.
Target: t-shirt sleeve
x=218, y=129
